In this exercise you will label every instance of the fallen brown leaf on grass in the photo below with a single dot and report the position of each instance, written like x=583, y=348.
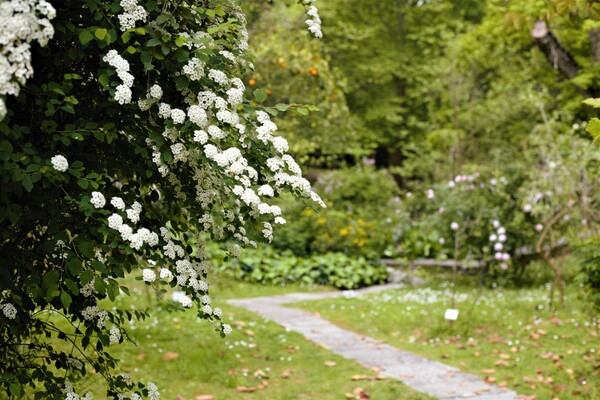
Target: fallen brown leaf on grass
x=259, y=374
x=170, y=355
x=488, y=371
x=502, y=363
x=489, y=379
x=358, y=394
x=238, y=323
x=526, y=397
x=140, y=356
x=286, y=373
x=362, y=378
x=262, y=385
x=245, y=389
x=180, y=397
x=330, y=363
x=248, y=332
x=204, y=397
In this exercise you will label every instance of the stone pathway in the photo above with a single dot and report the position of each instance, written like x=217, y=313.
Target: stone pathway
x=431, y=377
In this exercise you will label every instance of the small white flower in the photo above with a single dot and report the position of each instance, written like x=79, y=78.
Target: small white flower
x=118, y=203
x=9, y=310
x=227, y=329
x=59, y=163
x=98, y=200
x=148, y=275
x=454, y=226
x=166, y=274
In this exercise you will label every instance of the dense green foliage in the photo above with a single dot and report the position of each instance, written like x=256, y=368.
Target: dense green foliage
x=132, y=144
x=275, y=267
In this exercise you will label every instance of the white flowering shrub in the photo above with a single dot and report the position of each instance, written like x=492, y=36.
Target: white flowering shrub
x=126, y=139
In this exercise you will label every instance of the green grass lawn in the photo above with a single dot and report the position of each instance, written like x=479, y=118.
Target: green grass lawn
x=187, y=359
x=508, y=337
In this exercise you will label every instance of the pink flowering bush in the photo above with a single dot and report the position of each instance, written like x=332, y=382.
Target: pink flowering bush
x=126, y=139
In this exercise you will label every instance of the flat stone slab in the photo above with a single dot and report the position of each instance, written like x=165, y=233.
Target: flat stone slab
x=434, y=378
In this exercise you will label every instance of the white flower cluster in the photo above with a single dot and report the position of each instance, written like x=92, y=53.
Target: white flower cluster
x=133, y=12
x=8, y=310
x=136, y=239
x=59, y=163
x=498, y=239
x=148, y=275
x=115, y=335
x=93, y=312
x=22, y=22
x=314, y=21
x=194, y=69
x=71, y=395
x=123, y=91
x=98, y=200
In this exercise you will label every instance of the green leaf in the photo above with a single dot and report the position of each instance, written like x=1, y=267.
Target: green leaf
x=85, y=37
x=65, y=299
x=162, y=18
x=131, y=50
x=126, y=36
x=100, y=33
x=259, y=95
x=592, y=102
x=302, y=111
x=27, y=183
x=593, y=128
x=181, y=82
x=86, y=277
x=104, y=80
x=153, y=42
x=15, y=389
x=74, y=266
x=86, y=249
x=83, y=183
x=50, y=278
x=281, y=106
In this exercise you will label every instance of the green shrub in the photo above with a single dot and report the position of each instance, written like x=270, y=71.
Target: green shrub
x=362, y=218
x=267, y=265
x=589, y=274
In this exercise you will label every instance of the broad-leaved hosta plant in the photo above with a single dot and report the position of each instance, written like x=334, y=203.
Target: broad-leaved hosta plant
x=126, y=141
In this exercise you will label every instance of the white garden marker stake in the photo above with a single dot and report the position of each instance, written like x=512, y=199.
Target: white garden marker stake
x=451, y=315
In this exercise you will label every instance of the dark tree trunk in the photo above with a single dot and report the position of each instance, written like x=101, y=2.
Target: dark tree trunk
x=594, y=35
x=557, y=55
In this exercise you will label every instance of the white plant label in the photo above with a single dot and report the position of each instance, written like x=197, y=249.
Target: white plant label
x=451, y=314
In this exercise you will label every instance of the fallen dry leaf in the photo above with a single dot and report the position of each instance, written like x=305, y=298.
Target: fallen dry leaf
x=502, y=363
x=179, y=397
x=259, y=374
x=286, y=373
x=170, y=355
x=362, y=378
x=238, y=323
x=248, y=332
x=330, y=363
x=262, y=385
x=488, y=371
x=245, y=389
x=140, y=356
x=204, y=397
x=490, y=379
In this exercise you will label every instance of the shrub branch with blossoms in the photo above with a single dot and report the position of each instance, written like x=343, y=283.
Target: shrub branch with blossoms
x=132, y=144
